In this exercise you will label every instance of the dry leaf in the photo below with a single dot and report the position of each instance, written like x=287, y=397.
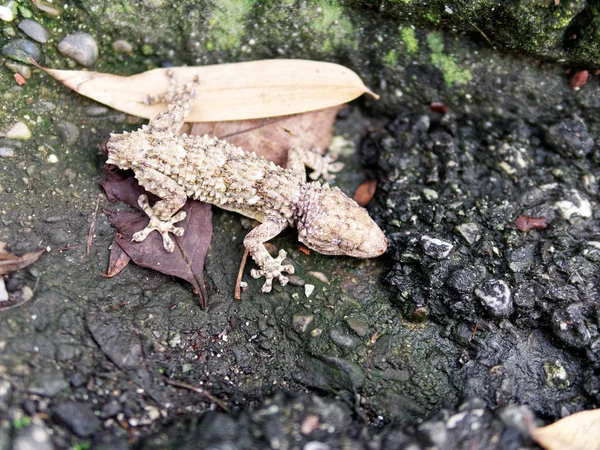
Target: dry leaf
x=118, y=260
x=271, y=138
x=365, y=192
x=10, y=263
x=186, y=262
x=579, y=431
x=237, y=91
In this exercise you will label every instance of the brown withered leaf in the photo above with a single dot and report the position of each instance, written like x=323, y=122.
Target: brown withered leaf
x=11, y=263
x=579, y=431
x=187, y=261
x=271, y=138
x=365, y=192
x=118, y=260
x=236, y=91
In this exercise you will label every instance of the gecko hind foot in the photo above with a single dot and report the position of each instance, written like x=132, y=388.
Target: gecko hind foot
x=326, y=167
x=164, y=227
x=273, y=269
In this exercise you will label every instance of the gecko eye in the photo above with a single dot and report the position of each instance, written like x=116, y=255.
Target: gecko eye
x=346, y=245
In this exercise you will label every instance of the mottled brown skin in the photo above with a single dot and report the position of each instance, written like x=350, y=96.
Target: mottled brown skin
x=175, y=167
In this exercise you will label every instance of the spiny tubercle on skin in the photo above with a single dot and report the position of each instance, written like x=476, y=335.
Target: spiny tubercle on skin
x=175, y=167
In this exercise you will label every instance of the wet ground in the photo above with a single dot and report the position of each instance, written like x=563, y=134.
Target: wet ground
x=465, y=331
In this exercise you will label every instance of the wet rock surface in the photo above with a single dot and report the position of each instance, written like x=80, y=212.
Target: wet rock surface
x=487, y=188
x=525, y=301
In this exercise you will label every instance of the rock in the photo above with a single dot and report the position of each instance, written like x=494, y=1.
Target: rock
x=96, y=110
x=570, y=138
x=569, y=324
x=122, y=46
x=117, y=341
x=34, y=30
x=463, y=279
x=470, y=232
x=48, y=384
x=330, y=373
x=344, y=340
x=79, y=418
x=301, y=322
x=19, y=131
x=80, y=47
x=21, y=50
x=436, y=248
x=6, y=13
x=110, y=409
x=21, y=69
x=47, y=8
x=360, y=327
x=496, y=297
x=3, y=291
x=33, y=437
x=68, y=132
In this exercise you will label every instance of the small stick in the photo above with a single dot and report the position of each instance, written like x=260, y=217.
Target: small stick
x=238, y=292
x=201, y=391
x=93, y=225
x=474, y=331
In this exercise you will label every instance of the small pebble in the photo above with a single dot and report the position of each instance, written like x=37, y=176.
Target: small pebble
x=21, y=50
x=80, y=47
x=6, y=13
x=496, y=296
x=6, y=152
x=96, y=110
x=308, y=289
x=34, y=30
x=19, y=131
x=9, y=32
x=436, y=248
x=52, y=159
x=301, y=322
x=3, y=291
x=21, y=69
x=47, y=8
x=121, y=46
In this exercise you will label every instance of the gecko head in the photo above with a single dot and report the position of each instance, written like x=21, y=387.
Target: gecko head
x=123, y=150
x=334, y=224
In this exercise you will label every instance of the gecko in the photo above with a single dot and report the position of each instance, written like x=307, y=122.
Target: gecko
x=176, y=167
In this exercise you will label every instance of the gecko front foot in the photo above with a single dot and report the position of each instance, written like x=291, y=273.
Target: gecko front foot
x=326, y=167
x=164, y=227
x=273, y=269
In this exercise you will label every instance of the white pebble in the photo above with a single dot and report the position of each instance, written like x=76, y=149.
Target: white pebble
x=19, y=131
x=6, y=13
x=52, y=159
x=308, y=289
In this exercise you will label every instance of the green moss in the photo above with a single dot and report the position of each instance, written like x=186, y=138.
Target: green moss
x=21, y=423
x=391, y=58
x=453, y=74
x=435, y=42
x=227, y=24
x=146, y=49
x=410, y=41
x=327, y=17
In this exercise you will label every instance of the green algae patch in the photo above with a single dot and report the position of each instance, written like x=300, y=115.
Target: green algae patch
x=228, y=24
x=327, y=18
x=410, y=40
x=453, y=74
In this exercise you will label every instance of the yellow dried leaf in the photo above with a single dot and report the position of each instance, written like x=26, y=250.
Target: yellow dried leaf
x=237, y=91
x=579, y=431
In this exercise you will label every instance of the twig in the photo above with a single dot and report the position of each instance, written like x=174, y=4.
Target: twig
x=238, y=292
x=474, y=331
x=90, y=239
x=483, y=34
x=198, y=390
